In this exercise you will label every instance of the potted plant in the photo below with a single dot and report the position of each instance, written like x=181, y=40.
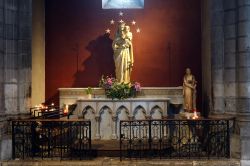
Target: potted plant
x=89, y=92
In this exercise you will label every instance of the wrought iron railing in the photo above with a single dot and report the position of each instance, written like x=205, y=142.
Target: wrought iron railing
x=51, y=112
x=175, y=138
x=46, y=112
x=64, y=139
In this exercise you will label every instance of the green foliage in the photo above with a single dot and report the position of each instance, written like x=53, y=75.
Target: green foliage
x=116, y=90
x=89, y=90
x=119, y=91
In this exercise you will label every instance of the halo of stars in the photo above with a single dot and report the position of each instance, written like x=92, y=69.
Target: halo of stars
x=121, y=14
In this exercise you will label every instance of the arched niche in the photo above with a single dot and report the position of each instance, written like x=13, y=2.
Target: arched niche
x=106, y=124
x=139, y=113
x=122, y=113
x=156, y=112
x=157, y=129
x=88, y=113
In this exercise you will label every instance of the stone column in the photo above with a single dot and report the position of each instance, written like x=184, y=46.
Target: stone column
x=217, y=55
x=15, y=64
x=230, y=67
x=11, y=67
x=38, y=52
x=97, y=136
x=206, y=57
x=114, y=129
x=243, y=75
x=24, y=54
x=230, y=56
x=15, y=55
x=1, y=58
x=243, y=57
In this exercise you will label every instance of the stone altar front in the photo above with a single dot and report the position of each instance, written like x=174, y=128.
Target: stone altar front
x=105, y=114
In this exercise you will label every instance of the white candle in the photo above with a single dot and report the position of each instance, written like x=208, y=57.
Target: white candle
x=66, y=110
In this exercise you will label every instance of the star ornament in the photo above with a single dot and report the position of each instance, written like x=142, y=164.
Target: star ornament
x=133, y=22
x=112, y=22
x=121, y=13
x=108, y=30
x=138, y=30
x=121, y=21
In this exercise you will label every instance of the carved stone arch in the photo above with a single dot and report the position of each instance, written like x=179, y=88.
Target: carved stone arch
x=103, y=108
x=118, y=110
x=122, y=114
x=86, y=109
x=135, y=105
x=88, y=113
x=156, y=112
x=139, y=113
x=155, y=107
x=138, y=107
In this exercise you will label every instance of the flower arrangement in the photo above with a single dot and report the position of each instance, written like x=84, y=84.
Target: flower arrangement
x=116, y=90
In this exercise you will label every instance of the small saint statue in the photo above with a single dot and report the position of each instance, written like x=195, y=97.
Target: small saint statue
x=123, y=53
x=189, y=91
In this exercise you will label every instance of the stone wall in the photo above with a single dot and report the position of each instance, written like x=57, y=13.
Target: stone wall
x=230, y=61
x=217, y=55
x=15, y=55
x=15, y=63
x=230, y=68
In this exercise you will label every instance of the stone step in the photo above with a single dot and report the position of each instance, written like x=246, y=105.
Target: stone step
x=107, y=161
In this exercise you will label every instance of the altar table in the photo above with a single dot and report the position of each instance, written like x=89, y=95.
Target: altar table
x=105, y=114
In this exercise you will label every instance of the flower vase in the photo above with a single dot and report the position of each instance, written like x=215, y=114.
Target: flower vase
x=89, y=96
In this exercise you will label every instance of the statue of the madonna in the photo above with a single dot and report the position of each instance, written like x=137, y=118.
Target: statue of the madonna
x=123, y=53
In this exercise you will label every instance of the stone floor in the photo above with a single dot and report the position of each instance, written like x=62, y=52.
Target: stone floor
x=105, y=161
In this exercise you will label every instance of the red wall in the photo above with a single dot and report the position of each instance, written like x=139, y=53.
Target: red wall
x=78, y=52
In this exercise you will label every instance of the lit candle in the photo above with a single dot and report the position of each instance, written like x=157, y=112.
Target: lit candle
x=195, y=115
x=66, y=110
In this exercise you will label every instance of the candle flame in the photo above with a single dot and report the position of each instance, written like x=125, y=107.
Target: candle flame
x=195, y=115
x=66, y=110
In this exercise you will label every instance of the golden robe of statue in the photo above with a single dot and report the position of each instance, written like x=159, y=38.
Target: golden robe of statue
x=123, y=53
x=189, y=91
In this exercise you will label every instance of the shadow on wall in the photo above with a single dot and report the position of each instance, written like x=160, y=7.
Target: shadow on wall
x=100, y=62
